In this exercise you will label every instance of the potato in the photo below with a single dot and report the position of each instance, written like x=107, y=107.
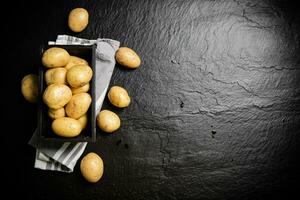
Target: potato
x=119, y=97
x=75, y=61
x=83, y=121
x=108, y=121
x=127, y=58
x=79, y=75
x=66, y=127
x=30, y=87
x=78, y=105
x=82, y=89
x=55, y=57
x=78, y=19
x=56, y=75
x=57, y=95
x=91, y=167
x=56, y=113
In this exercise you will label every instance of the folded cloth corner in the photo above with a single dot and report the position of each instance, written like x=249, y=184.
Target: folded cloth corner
x=63, y=156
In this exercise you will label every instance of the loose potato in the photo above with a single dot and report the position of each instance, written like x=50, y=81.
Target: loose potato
x=79, y=75
x=108, y=121
x=128, y=58
x=119, y=97
x=78, y=19
x=57, y=95
x=75, y=61
x=56, y=113
x=82, y=89
x=66, y=127
x=30, y=87
x=83, y=121
x=55, y=57
x=78, y=105
x=91, y=167
x=56, y=75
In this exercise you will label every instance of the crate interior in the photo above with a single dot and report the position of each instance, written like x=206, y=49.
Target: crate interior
x=46, y=133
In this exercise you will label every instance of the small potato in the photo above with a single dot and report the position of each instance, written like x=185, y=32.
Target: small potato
x=119, y=97
x=82, y=89
x=56, y=113
x=128, y=58
x=83, y=121
x=75, y=61
x=66, y=127
x=56, y=75
x=78, y=105
x=108, y=121
x=79, y=75
x=55, y=57
x=78, y=19
x=30, y=87
x=57, y=95
x=91, y=167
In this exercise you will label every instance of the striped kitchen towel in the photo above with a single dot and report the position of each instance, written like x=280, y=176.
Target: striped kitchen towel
x=63, y=156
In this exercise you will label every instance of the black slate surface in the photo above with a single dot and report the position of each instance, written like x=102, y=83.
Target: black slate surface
x=215, y=105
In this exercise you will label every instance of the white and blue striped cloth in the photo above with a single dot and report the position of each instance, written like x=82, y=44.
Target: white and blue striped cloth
x=63, y=157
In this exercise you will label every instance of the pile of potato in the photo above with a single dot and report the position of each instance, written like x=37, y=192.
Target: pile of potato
x=67, y=78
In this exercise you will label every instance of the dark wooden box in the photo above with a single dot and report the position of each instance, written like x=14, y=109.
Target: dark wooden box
x=45, y=132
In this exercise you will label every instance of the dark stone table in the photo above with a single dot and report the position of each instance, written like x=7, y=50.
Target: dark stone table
x=215, y=106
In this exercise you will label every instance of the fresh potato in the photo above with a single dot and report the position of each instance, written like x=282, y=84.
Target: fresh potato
x=108, y=121
x=79, y=75
x=56, y=113
x=56, y=75
x=55, y=57
x=75, y=61
x=83, y=121
x=30, y=87
x=119, y=97
x=91, y=167
x=78, y=105
x=57, y=95
x=78, y=19
x=66, y=127
x=82, y=89
x=127, y=58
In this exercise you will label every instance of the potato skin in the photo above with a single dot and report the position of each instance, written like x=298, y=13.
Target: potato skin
x=74, y=60
x=91, y=167
x=56, y=75
x=82, y=89
x=66, y=127
x=83, y=120
x=56, y=113
x=119, y=97
x=55, y=57
x=128, y=58
x=78, y=19
x=30, y=87
x=57, y=95
x=78, y=105
x=79, y=75
x=108, y=121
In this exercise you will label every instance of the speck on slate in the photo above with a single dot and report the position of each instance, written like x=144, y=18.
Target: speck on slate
x=181, y=104
x=174, y=61
x=118, y=142
x=213, y=132
x=126, y=146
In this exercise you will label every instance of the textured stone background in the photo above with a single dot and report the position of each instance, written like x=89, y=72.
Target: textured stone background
x=215, y=105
